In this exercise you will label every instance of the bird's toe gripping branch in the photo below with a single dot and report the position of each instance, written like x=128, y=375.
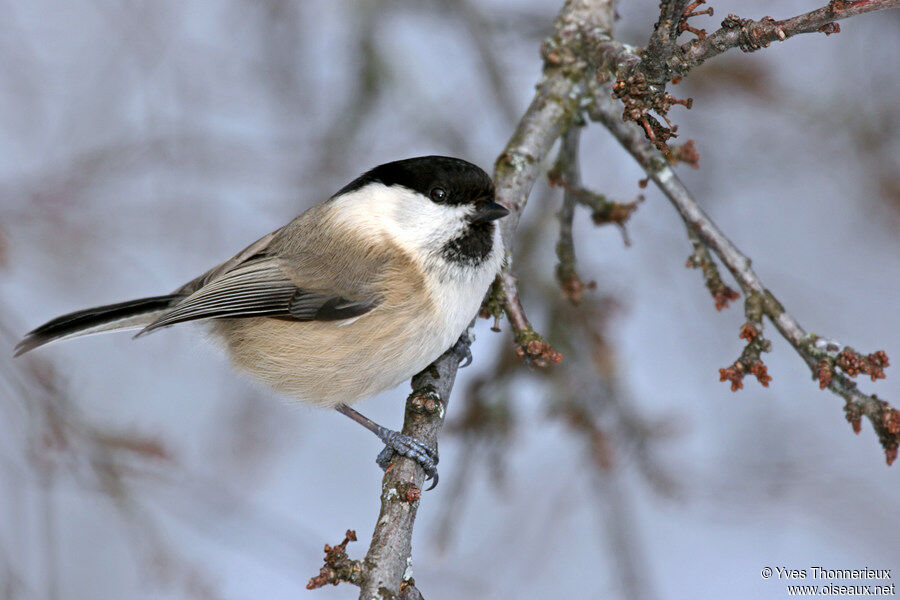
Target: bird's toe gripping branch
x=463, y=347
x=400, y=443
x=409, y=447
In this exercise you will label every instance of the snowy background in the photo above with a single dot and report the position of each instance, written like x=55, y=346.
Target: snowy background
x=143, y=142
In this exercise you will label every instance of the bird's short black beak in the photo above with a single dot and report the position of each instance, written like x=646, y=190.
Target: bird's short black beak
x=489, y=211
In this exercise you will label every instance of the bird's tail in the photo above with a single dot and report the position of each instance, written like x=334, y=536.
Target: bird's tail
x=132, y=314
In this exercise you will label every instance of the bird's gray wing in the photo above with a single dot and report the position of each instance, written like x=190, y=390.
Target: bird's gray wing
x=258, y=285
x=254, y=250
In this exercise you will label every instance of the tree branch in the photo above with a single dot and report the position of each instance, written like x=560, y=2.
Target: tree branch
x=387, y=566
x=823, y=357
x=665, y=34
x=530, y=346
x=700, y=259
x=642, y=79
x=556, y=102
x=751, y=35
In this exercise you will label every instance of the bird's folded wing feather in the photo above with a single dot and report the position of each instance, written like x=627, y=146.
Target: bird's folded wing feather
x=256, y=248
x=259, y=286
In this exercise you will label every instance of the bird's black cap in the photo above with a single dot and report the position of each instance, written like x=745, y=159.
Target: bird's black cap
x=461, y=181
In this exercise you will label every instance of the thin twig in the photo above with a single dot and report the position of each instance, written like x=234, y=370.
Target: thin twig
x=530, y=346
x=701, y=259
x=566, y=174
x=567, y=171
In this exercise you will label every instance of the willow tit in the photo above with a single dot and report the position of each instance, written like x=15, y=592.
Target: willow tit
x=351, y=298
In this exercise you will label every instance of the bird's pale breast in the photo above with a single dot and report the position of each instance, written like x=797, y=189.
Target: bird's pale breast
x=327, y=363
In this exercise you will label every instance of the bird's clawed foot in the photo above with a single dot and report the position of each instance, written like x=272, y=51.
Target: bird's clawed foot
x=409, y=447
x=463, y=347
x=397, y=443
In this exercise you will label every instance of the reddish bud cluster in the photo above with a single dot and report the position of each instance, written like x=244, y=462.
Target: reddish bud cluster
x=749, y=332
x=829, y=28
x=891, y=421
x=723, y=295
x=885, y=418
x=853, y=363
x=615, y=212
x=853, y=415
x=759, y=370
x=825, y=374
x=749, y=361
x=736, y=373
x=338, y=567
x=890, y=432
x=408, y=492
x=640, y=99
x=538, y=353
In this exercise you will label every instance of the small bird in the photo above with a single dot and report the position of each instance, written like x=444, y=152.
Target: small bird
x=356, y=295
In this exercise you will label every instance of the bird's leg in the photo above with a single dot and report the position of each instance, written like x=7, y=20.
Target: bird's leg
x=396, y=442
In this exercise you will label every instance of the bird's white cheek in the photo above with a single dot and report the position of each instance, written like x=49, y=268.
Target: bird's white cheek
x=421, y=226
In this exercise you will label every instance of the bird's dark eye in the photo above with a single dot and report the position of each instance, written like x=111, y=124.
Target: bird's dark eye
x=438, y=194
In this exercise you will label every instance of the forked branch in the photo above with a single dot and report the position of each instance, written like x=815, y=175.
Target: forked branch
x=833, y=364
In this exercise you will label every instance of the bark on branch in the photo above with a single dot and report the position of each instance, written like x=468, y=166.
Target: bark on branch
x=751, y=35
